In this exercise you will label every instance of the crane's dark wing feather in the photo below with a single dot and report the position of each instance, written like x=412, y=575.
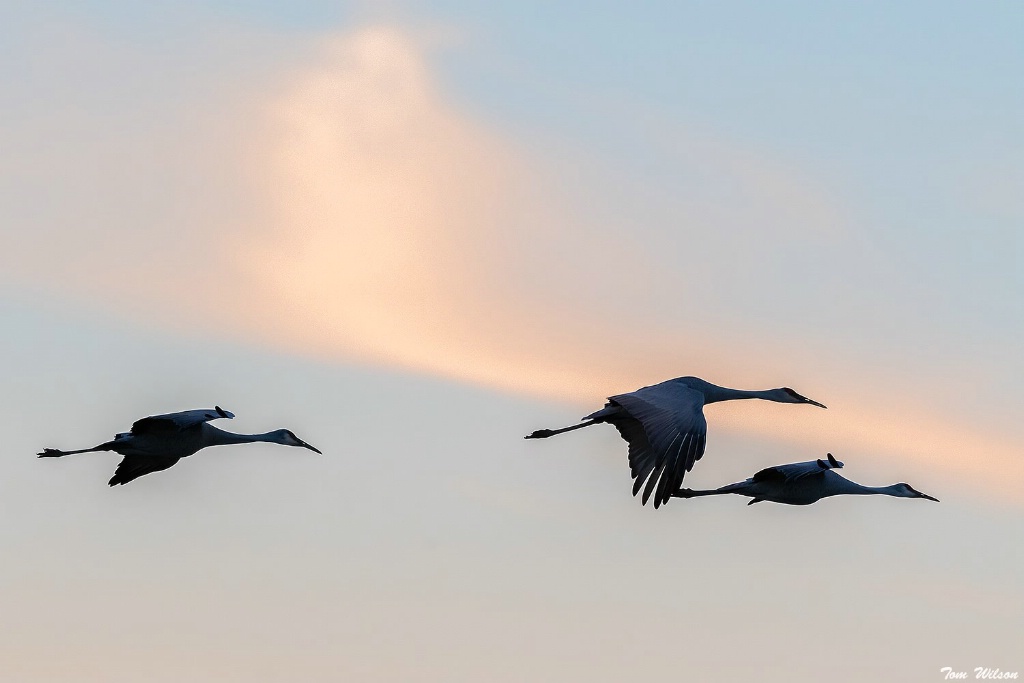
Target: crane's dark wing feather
x=665, y=428
x=793, y=471
x=134, y=466
x=176, y=422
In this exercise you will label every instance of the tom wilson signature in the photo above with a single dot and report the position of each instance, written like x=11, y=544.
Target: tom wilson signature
x=980, y=673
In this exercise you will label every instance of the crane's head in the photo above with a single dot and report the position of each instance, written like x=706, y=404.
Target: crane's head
x=787, y=395
x=904, y=490
x=286, y=437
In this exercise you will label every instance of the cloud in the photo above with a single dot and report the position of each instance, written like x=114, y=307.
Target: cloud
x=405, y=232
x=376, y=186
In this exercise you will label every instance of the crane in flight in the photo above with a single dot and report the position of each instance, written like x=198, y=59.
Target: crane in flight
x=803, y=483
x=665, y=428
x=159, y=441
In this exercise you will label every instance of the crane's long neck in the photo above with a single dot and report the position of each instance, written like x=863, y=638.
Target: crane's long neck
x=218, y=437
x=714, y=394
x=852, y=488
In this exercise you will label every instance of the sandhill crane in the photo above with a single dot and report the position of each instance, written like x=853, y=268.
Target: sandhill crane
x=665, y=428
x=803, y=483
x=159, y=441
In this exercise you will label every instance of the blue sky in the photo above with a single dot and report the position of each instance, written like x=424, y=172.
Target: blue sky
x=413, y=232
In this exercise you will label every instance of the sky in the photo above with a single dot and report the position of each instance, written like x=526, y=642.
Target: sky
x=413, y=232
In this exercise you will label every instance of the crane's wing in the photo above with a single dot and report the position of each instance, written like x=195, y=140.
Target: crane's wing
x=134, y=466
x=665, y=428
x=176, y=422
x=797, y=470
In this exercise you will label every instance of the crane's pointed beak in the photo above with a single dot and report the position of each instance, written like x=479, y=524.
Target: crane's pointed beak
x=312, y=448
x=815, y=403
x=927, y=497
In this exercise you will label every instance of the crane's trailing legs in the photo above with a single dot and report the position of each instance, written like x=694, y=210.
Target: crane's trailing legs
x=545, y=433
x=691, y=493
x=697, y=493
x=598, y=417
x=54, y=453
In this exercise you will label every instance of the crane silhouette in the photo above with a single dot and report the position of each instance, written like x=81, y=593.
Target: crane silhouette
x=803, y=483
x=159, y=441
x=665, y=428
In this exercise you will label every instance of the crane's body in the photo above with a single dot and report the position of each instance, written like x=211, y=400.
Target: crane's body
x=803, y=483
x=159, y=441
x=665, y=428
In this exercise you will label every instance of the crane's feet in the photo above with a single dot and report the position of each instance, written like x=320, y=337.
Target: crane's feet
x=540, y=434
x=683, y=493
x=51, y=453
